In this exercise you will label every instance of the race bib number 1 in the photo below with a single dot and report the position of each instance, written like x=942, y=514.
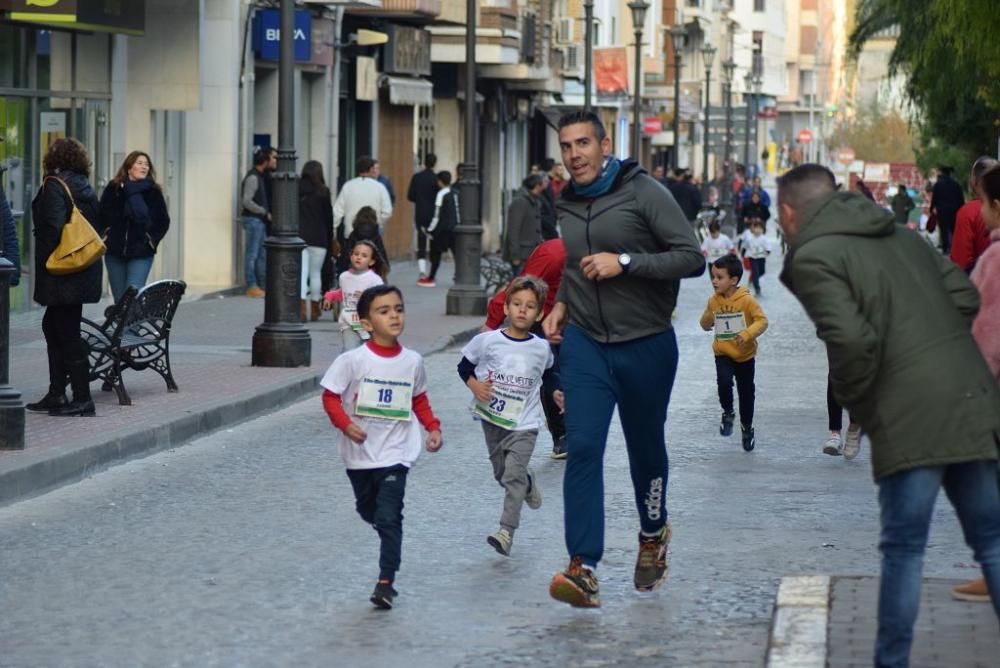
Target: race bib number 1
x=385, y=398
x=729, y=325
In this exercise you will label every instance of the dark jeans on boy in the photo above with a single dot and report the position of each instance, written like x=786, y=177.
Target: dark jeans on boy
x=379, y=494
x=907, y=501
x=757, y=265
x=725, y=371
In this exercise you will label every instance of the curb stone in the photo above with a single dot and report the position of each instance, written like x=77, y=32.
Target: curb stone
x=798, y=635
x=74, y=462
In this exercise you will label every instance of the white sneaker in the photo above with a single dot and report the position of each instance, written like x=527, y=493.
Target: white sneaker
x=852, y=444
x=534, y=496
x=833, y=445
x=501, y=541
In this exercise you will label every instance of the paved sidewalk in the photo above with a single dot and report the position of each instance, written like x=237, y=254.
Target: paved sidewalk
x=210, y=356
x=831, y=622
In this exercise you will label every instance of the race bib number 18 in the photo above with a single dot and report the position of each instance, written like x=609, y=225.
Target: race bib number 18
x=385, y=398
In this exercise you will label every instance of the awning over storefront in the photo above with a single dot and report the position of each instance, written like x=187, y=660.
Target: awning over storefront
x=91, y=15
x=408, y=90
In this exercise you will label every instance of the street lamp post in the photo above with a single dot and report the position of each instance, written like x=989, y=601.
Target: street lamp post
x=282, y=340
x=677, y=35
x=467, y=296
x=638, y=9
x=758, y=83
x=588, y=56
x=727, y=195
x=747, y=83
x=708, y=55
x=11, y=406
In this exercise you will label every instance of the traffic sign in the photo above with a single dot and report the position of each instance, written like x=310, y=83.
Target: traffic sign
x=805, y=136
x=845, y=156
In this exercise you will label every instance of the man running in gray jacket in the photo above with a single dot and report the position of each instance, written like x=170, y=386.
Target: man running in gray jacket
x=628, y=244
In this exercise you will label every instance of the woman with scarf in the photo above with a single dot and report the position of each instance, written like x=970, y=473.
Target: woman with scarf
x=133, y=221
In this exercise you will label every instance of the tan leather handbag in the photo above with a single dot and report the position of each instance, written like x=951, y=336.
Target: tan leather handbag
x=79, y=246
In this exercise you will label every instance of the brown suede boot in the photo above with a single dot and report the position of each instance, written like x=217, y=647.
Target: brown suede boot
x=316, y=312
x=302, y=310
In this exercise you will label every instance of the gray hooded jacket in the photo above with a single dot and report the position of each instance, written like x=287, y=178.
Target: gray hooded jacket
x=640, y=217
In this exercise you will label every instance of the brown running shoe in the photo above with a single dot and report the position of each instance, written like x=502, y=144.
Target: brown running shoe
x=974, y=591
x=652, y=564
x=576, y=585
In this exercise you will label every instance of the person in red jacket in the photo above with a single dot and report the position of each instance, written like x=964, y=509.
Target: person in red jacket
x=546, y=262
x=971, y=236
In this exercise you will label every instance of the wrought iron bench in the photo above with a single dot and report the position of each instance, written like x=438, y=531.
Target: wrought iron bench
x=496, y=272
x=135, y=335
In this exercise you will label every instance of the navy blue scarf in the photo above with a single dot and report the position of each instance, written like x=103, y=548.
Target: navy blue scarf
x=135, y=203
x=602, y=184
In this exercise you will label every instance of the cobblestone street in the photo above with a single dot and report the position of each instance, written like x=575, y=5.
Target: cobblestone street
x=243, y=548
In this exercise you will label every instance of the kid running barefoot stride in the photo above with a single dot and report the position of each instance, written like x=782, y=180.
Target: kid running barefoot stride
x=372, y=395
x=367, y=270
x=505, y=370
x=738, y=321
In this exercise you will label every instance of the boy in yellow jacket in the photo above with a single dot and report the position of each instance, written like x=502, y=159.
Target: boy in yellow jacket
x=738, y=320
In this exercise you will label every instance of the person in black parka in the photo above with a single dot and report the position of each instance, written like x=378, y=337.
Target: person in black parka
x=64, y=296
x=133, y=222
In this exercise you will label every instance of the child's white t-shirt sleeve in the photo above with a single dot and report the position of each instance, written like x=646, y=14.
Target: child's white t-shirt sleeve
x=420, y=379
x=339, y=376
x=728, y=243
x=704, y=245
x=551, y=361
x=473, y=350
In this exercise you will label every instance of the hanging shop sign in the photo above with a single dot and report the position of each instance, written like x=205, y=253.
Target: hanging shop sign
x=122, y=16
x=267, y=35
x=611, y=71
x=408, y=51
x=366, y=88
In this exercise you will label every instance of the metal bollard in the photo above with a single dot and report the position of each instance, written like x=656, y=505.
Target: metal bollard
x=11, y=406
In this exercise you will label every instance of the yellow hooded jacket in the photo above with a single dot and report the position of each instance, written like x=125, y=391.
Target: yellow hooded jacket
x=756, y=324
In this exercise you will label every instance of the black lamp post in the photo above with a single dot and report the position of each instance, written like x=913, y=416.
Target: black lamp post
x=588, y=57
x=677, y=36
x=638, y=9
x=282, y=340
x=747, y=98
x=727, y=194
x=467, y=296
x=708, y=55
x=11, y=406
x=758, y=83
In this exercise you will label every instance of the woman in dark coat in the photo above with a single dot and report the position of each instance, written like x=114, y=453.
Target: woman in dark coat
x=64, y=296
x=756, y=208
x=316, y=229
x=133, y=220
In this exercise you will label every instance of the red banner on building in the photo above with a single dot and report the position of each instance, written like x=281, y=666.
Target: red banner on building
x=611, y=70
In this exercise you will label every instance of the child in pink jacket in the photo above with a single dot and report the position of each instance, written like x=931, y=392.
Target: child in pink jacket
x=986, y=275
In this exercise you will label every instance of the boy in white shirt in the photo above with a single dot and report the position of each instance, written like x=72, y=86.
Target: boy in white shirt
x=757, y=247
x=716, y=244
x=374, y=395
x=505, y=369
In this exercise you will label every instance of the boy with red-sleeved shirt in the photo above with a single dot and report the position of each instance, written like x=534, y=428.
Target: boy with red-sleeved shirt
x=372, y=395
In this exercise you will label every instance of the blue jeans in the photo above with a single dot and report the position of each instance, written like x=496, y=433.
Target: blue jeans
x=907, y=503
x=255, y=259
x=126, y=271
x=637, y=376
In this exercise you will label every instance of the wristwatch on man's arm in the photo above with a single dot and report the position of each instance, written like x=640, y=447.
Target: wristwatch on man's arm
x=625, y=261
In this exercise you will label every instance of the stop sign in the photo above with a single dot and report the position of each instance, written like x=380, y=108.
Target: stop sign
x=805, y=136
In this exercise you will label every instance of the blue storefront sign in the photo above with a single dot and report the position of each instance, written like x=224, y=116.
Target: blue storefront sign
x=267, y=34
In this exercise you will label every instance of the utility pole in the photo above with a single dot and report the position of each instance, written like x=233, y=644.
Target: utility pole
x=588, y=57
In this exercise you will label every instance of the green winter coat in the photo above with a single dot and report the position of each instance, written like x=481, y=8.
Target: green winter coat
x=895, y=316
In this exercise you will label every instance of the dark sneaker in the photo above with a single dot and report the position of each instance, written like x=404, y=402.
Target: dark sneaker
x=748, y=439
x=75, y=409
x=652, y=564
x=47, y=403
x=726, y=426
x=576, y=585
x=559, y=448
x=383, y=595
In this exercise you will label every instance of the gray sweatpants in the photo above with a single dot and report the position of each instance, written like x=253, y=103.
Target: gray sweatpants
x=510, y=453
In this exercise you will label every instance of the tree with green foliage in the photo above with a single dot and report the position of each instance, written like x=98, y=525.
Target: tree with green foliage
x=876, y=136
x=947, y=51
